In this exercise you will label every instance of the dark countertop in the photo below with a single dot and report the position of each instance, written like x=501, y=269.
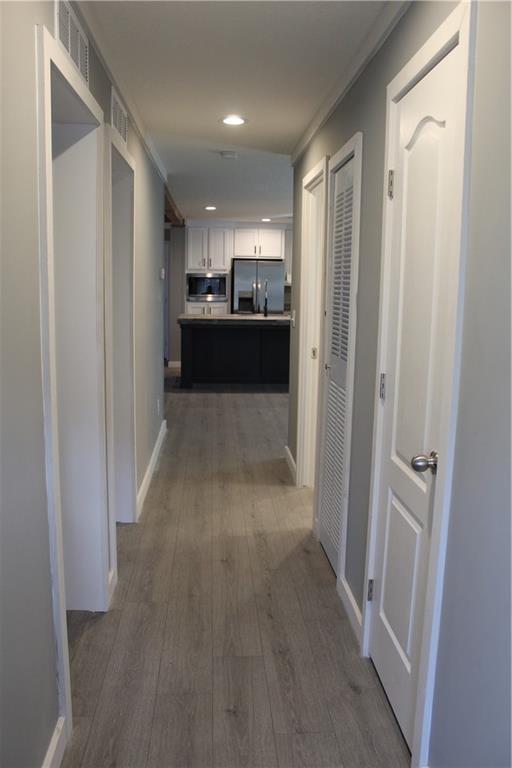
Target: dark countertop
x=248, y=319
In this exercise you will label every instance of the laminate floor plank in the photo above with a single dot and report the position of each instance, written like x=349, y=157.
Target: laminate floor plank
x=226, y=644
x=121, y=727
x=243, y=736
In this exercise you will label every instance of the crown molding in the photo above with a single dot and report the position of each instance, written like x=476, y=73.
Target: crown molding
x=383, y=25
x=93, y=30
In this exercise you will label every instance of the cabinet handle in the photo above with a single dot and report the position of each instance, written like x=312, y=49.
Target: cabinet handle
x=254, y=249
x=260, y=250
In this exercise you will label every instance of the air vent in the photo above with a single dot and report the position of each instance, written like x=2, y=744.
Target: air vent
x=119, y=116
x=72, y=37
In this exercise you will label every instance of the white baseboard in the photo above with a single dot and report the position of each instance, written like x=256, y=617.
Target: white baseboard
x=351, y=607
x=144, y=486
x=57, y=745
x=112, y=583
x=291, y=464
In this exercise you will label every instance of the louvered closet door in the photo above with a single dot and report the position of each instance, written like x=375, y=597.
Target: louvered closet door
x=334, y=438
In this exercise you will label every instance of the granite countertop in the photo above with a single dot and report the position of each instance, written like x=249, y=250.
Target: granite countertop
x=239, y=319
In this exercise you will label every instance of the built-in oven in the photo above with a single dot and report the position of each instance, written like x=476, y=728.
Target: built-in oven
x=206, y=286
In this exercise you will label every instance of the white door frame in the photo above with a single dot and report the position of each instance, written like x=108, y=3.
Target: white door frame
x=113, y=140
x=312, y=270
x=457, y=30
x=51, y=53
x=353, y=149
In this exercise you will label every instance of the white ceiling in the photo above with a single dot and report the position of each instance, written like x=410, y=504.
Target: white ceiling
x=187, y=64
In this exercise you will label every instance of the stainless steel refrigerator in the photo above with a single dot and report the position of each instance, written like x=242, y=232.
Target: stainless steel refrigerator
x=257, y=283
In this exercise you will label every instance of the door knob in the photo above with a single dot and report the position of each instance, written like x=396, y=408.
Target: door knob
x=421, y=462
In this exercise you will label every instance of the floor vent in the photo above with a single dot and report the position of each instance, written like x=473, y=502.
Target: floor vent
x=119, y=116
x=72, y=37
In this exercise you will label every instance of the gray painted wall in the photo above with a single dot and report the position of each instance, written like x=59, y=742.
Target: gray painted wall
x=363, y=109
x=176, y=289
x=471, y=725
x=148, y=287
x=28, y=692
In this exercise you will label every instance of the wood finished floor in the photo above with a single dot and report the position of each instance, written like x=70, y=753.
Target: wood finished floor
x=226, y=645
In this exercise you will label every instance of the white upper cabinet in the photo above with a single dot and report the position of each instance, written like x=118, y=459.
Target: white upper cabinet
x=259, y=243
x=220, y=249
x=270, y=243
x=246, y=243
x=197, y=249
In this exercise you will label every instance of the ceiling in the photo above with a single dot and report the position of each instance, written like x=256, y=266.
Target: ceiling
x=188, y=64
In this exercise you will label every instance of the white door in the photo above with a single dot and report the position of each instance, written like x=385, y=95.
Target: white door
x=246, y=242
x=220, y=248
x=341, y=277
x=419, y=328
x=197, y=249
x=271, y=243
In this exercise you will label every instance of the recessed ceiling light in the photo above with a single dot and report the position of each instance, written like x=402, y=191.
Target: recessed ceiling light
x=233, y=120
x=210, y=207
x=266, y=219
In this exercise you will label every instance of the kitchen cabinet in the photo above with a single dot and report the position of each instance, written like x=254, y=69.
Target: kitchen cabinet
x=206, y=308
x=246, y=243
x=197, y=249
x=220, y=249
x=209, y=249
x=270, y=243
x=288, y=252
x=259, y=243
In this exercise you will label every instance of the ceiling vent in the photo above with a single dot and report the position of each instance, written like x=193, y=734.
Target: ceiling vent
x=72, y=37
x=119, y=116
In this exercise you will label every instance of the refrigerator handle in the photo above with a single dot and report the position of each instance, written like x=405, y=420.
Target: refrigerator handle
x=254, y=299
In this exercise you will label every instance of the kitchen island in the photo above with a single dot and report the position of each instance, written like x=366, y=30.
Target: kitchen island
x=235, y=349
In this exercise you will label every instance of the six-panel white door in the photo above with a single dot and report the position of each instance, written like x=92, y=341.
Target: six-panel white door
x=423, y=273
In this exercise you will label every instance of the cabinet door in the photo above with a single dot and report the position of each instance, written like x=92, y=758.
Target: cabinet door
x=218, y=309
x=220, y=249
x=270, y=243
x=288, y=251
x=197, y=248
x=195, y=308
x=246, y=243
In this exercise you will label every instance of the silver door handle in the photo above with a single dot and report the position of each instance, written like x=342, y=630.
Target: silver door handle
x=421, y=463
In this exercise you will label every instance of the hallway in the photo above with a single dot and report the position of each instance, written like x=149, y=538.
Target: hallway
x=227, y=644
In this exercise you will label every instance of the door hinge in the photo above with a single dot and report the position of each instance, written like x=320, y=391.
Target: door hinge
x=391, y=184
x=382, y=386
x=369, y=595
x=314, y=353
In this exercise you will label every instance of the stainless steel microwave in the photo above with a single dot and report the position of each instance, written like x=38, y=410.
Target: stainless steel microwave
x=206, y=286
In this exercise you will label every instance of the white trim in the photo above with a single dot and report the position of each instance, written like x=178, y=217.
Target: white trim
x=291, y=464
x=457, y=30
x=352, y=149
x=146, y=482
x=310, y=307
x=50, y=51
x=95, y=34
x=384, y=24
x=350, y=605
x=57, y=745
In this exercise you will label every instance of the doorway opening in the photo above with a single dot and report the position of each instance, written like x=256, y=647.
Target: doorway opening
x=119, y=275
x=312, y=281
x=71, y=178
